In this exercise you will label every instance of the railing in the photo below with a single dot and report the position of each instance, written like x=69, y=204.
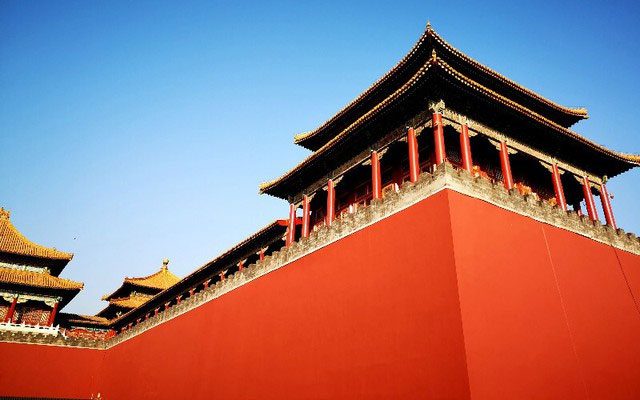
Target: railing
x=24, y=328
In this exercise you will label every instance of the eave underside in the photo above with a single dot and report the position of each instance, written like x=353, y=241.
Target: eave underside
x=66, y=295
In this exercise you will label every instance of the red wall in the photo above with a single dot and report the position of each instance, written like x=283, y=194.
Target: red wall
x=375, y=315
x=48, y=371
x=546, y=313
x=452, y=298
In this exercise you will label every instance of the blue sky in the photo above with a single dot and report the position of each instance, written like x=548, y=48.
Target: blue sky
x=134, y=131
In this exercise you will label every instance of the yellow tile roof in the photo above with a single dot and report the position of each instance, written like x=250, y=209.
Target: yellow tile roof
x=36, y=279
x=14, y=242
x=132, y=301
x=160, y=280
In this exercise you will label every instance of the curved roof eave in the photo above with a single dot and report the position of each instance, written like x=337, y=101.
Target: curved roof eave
x=304, y=138
x=267, y=187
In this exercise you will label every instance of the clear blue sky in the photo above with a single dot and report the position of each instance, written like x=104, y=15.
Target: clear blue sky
x=134, y=131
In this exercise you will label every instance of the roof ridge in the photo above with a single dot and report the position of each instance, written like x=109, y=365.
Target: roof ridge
x=302, y=136
x=431, y=33
x=577, y=111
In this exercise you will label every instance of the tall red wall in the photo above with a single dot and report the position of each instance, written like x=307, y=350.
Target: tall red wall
x=546, y=313
x=451, y=298
x=374, y=315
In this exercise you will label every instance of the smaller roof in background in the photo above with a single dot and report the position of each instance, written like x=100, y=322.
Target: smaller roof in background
x=160, y=280
x=157, y=282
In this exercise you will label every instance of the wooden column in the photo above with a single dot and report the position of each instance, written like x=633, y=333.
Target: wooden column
x=376, y=176
x=465, y=148
x=438, y=138
x=306, y=216
x=261, y=254
x=557, y=187
x=588, y=199
x=505, y=164
x=606, y=206
x=414, y=160
x=241, y=265
x=52, y=314
x=12, y=310
x=291, y=228
x=331, y=203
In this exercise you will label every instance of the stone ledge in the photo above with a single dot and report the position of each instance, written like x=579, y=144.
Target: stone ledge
x=482, y=189
x=444, y=177
x=49, y=340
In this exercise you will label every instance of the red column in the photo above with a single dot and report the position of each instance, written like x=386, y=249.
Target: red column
x=291, y=228
x=306, y=215
x=240, y=265
x=156, y=311
x=12, y=310
x=606, y=206
x=376, y=176
x=261, y=256
x=178, y=299
x=221, y=275
x=588, y=199
x=465, y=148
x=557, y=187
x=438, y=138
x=52, y=314
x=414, y=161
x=205, y=284
x=331, y=202
x=506, y=166
x=192, y=291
